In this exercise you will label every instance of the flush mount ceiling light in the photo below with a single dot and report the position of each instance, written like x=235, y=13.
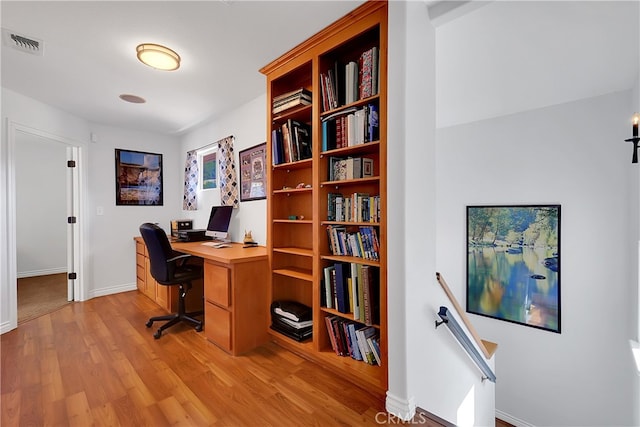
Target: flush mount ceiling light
x=158, y=56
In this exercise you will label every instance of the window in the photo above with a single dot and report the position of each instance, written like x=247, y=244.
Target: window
x=208, y=168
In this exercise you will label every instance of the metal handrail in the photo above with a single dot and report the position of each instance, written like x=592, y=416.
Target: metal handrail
x=466, y=343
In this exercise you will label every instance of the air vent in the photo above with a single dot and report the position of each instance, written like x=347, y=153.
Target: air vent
x=22, y=43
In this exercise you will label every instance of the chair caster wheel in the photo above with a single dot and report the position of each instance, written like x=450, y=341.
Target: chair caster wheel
x=199, y=328
x=149, y=323
x=157, y=334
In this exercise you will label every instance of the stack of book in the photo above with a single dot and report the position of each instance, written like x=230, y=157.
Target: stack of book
x=291, y=99
x=291, y=142
x=292, y=319
x=353, y=339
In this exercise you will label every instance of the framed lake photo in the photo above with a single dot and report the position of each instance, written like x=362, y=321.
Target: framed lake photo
x=513, y=264
x=138, y=178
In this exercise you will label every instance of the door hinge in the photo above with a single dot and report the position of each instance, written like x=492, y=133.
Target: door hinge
x=73, y=276
x=71, y=219
x=71, y=163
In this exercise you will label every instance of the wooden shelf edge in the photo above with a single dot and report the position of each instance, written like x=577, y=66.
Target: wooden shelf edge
x=349, y=181
x=353, y=259
x=294, y=251
x=490, y=346
x=296, y=273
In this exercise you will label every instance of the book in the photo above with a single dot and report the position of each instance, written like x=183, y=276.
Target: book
x=328, y=287
x=342, y=293
x=290, y=104
x=293, y=93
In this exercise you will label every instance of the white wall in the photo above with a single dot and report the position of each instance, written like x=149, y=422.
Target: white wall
x=29, y=114
x=248, y=125
x=41, y=205
x=112, y=249
x=571, y=154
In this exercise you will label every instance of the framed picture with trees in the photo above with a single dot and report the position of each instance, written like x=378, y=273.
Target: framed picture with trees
x=513, y=264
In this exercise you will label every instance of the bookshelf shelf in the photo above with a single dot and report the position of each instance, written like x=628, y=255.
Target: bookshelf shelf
x=358, y=103
x=368, y=147
x=290, y=191
x=350, y=259
x=287, y=167
x=295, y=251
x=353, y=124
x=345, y=182
x=296, y=273
x=350, y=223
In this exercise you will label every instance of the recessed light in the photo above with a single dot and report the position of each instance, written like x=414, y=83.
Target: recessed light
x=158, y=56
x=132, y=98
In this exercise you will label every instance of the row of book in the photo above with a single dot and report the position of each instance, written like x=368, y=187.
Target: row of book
x=291, y=142
x=344, y=84
x=292, y=319
x=356, y=207
x=291, y=99
x=353, y=339
x=361, y=244
x=350, y=127
x=352, y=288
x=341, y=168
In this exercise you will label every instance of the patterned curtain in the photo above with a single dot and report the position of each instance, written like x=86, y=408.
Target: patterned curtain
x=227, y=169
x=190, y=200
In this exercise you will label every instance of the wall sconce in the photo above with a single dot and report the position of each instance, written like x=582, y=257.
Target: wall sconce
x=635, y=139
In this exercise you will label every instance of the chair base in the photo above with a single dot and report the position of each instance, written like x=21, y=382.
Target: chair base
x=180, y=316
x=174, y=319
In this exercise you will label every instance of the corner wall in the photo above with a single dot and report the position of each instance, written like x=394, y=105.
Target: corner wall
x=572, y=154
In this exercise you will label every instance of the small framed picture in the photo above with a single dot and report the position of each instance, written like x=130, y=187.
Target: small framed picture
x=367, y=167
x=253, y=175
x=138, y=178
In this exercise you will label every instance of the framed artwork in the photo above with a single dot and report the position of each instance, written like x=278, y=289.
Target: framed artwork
x=138, y=178
x=253, y=178
x=513, y=264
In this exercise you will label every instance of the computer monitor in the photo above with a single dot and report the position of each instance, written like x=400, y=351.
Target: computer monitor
x=219, y=220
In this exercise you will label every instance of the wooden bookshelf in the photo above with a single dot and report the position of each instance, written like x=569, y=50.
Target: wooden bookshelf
x=298, y=196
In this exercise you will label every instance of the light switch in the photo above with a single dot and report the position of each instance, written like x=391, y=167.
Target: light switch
x=100, y=210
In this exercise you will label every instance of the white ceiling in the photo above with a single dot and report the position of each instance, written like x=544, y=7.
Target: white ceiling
x=503, y=57
x=512, y=56
x=89, y=55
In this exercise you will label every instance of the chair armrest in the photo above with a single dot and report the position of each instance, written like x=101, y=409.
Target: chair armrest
x=179, y=257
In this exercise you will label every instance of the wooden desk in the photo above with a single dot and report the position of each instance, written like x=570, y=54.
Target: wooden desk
x=236, y=308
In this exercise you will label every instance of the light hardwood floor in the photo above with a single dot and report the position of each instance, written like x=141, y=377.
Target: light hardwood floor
x=95, y=363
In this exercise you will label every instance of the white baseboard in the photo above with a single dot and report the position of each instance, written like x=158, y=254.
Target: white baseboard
x=6, y=327
x=404, y=409
x=34, y=273
x=512, y=420
x=113, y=290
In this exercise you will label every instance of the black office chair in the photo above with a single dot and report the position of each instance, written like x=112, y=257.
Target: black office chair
x=169, y=268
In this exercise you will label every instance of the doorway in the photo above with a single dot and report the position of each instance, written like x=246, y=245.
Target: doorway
x=44, y=232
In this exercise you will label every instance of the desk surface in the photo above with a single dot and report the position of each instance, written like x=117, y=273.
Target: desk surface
x=232, y=255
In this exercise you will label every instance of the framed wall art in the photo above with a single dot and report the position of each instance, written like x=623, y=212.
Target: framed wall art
x=138, y=178
x=513, y=264
x=253, y=178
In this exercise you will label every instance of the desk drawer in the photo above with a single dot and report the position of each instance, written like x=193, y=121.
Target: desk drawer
x=217, y=325
x=217, y=284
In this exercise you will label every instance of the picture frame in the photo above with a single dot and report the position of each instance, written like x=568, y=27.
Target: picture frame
x=138, y=178
x=253, y=173
x=513, y=264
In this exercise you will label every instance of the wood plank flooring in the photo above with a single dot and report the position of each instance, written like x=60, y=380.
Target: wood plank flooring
x=95, y=363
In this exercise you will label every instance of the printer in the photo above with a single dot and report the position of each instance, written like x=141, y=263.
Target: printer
x=192, y=235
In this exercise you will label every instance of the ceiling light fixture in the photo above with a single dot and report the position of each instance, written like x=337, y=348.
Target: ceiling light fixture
x=158, y=56
x=134, y=99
